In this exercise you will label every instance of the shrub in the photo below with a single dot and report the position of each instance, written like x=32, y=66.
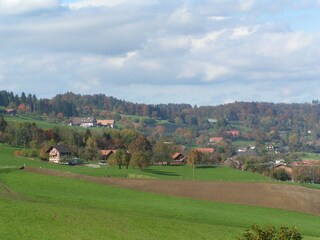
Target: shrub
x=270, y=233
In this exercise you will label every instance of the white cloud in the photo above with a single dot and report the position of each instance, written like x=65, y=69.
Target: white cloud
x=242, y=31
x=8, y=7
x=218, y=18
x=246, y=5
x=208, y=39
x=103, y=3
x=231, y=46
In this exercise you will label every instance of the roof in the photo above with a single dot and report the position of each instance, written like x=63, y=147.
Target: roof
x=205, y=150
x=107, y=152
x=79, y=120
x=233, y=132
x=308, y=163
x=61, y=148
x=176, y=155
x=105, y=122
x=212, y=120
x=216, y=139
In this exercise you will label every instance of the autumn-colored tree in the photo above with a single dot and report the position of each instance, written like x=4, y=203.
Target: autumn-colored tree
x=140, y=159
x=141, y=143
x=195, y=157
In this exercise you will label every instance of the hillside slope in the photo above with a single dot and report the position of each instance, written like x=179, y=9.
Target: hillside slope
x=281, y=196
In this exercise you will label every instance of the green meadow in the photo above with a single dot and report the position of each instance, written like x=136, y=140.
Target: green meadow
x=46, y=207
x=36, y=206
x=154, y=172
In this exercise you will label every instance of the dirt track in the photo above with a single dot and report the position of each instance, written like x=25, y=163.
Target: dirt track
x=280, y=196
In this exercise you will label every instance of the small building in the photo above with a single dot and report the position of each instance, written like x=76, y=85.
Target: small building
x=105, y=154
x=214, y=140
x=106, y=123
x=58, y=152
x=242, y=149
x=205, y=150
x=11, y=112
x=84, y=122
x=178, y=159
x=233, y=133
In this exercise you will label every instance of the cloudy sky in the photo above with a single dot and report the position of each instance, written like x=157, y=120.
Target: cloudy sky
x=203, y=52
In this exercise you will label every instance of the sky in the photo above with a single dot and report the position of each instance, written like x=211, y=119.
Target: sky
x=201, y=52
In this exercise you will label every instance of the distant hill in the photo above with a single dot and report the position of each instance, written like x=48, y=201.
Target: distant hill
x=265, y=116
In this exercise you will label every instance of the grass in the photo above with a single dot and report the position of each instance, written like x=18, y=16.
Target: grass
x=40, y=121
x=310, y=156
x=156, y=172
x=49, y=207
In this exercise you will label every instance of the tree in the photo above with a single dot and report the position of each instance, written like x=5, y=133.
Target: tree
x=140, y=159
x=120, y=158
x=281, y=175
x=162, y=152
x=271, y=233
x=91, y=149
x=194, y=157
x=3, y=125
x=141, y=143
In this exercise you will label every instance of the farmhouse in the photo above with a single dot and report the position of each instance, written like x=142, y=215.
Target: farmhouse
x=84, y=122
x=233, y=133
x=11, y=112
x=205, y=150
x=178, y=159
x=106, y=123
x=58, y=152
x=214, y=140
x=105, y=154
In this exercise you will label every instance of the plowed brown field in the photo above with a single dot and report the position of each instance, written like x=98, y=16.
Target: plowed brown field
x=282, y=196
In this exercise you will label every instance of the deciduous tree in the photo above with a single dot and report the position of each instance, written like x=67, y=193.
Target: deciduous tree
x=140, y=159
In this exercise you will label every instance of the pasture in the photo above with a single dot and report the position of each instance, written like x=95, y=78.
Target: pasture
x=48, y=207
x=152, y=172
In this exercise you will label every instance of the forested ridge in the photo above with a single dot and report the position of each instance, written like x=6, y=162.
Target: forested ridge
x=252, y=114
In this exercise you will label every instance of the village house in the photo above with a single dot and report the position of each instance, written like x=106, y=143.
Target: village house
x=233, y=133
x=242, y=149
x=58, y=152
x=215, y=140
x=11, y=112
x=105, y=154
x=205, y=150
x=178, y=159
x=106, y=123
x=84, y=122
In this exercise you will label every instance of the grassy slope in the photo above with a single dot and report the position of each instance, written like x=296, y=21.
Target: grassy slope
x=25, y=118
x=55, y=208
x=159, y=172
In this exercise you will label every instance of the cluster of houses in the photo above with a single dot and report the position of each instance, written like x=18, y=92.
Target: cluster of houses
x=91, y=122
x=231, y=133
x=60, y=152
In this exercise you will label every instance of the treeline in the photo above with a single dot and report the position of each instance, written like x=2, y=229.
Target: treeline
x=266, y=117
x=71, y=105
